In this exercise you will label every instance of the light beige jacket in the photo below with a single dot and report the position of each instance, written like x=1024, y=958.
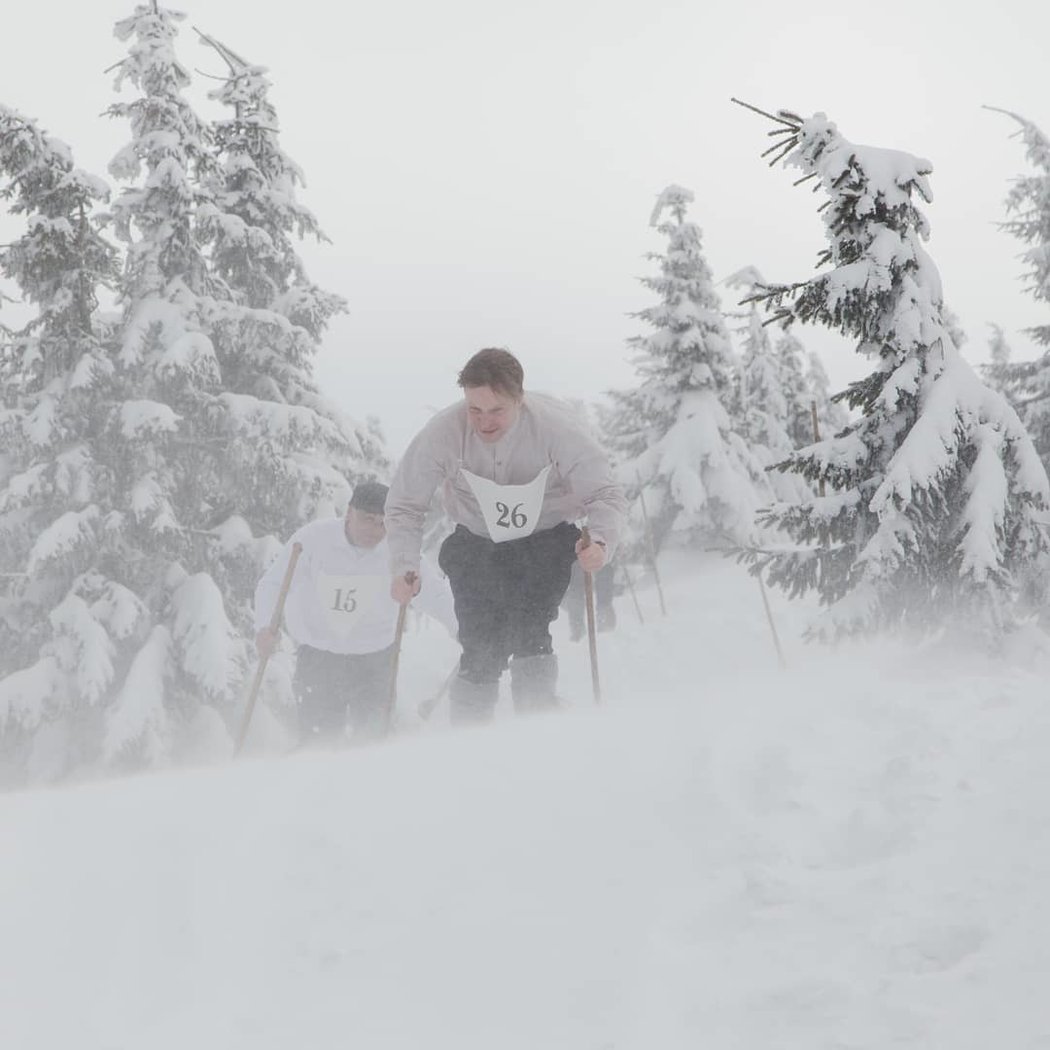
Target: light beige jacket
x=546, y=433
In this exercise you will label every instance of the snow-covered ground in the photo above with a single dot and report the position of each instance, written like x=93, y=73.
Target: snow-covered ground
x=853, y=852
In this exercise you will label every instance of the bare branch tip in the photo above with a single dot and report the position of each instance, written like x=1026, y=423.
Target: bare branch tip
x=761, y=112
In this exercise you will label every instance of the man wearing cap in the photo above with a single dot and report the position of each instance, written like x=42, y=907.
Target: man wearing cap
x=340, y=613
x=516, y=470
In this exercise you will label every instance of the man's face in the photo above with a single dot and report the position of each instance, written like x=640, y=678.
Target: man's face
x=362, y=528
x=491, y=414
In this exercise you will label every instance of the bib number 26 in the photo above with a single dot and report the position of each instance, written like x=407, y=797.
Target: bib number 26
x=508, y=517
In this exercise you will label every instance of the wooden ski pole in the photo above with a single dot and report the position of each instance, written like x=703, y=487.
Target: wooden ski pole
x=275, y=626
x=772, y=626
x=649, y=544
x=426, y=707
x=592, y=633
x=402, y=614
x=634, y=596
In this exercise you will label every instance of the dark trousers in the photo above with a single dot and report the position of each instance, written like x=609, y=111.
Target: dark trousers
x=506, y=595
x=332, y=686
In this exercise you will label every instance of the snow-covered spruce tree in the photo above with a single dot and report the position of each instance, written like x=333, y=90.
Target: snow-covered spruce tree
x=1027, y=383
x=171, y=433
x=935, y=491
x=763, y=405
x=805, y=386
x=1028, y=208
x=673, y=431
x=954, y=326
x=291, y=451
x=269, y=339
x=212, y=457
x=999, y=351
x=62, y=614
x=999, y=371
x=831, y=415
x=791, y=361
x=623, y=428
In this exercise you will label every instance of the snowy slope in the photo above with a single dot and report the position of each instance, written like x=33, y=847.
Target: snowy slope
x=853, y=853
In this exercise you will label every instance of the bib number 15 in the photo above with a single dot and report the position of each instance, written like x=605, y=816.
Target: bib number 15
x=345, y=600
x=510, y=517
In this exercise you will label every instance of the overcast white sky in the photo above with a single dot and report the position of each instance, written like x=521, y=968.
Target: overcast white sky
x=486, y=170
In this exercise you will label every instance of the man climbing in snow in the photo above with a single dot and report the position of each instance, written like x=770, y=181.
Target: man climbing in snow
x=516, y=471
x=340, y=614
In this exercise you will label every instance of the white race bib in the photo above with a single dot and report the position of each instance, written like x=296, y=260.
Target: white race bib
x=347, y=601
x=510, y=511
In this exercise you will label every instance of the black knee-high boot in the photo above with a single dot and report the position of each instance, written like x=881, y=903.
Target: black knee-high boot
x=532, y=682
x=471, y=703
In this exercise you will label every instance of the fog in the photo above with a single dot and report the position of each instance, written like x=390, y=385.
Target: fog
x=486, y=172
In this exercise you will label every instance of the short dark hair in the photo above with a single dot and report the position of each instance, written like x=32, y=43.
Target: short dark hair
x=369, y=497
x=495, y=368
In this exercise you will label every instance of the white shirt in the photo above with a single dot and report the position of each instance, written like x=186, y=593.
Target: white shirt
x=339, y=599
